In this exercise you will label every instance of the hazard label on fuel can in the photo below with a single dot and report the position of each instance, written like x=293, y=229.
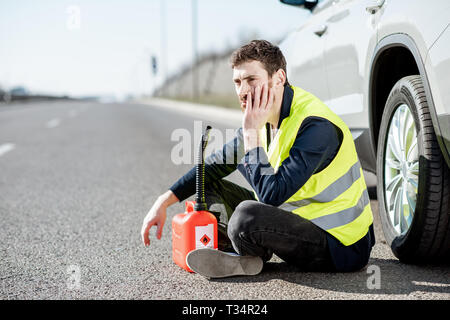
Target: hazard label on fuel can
x=204, y=236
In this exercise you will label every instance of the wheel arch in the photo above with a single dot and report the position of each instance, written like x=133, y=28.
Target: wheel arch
x=396, y=56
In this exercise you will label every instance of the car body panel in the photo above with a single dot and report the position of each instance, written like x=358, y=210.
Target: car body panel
x=437, y=66
x=425, y=26
x=345, y=59
x=346, y=63
x=304, y=53
x=412, y=17
x=346, y=51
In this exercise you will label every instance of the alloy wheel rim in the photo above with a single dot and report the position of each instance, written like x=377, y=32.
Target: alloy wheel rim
x=401, y=169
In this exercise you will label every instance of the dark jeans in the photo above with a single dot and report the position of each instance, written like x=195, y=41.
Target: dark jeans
x=254, y=228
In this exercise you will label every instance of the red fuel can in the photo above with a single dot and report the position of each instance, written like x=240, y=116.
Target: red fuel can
x=192, y=230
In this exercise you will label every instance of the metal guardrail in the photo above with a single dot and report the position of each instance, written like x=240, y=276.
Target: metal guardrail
x=7, y=98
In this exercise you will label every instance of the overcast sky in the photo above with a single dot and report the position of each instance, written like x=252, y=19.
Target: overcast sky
x=104, y=47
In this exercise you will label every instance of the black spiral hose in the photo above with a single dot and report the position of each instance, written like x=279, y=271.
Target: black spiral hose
x=200, y=200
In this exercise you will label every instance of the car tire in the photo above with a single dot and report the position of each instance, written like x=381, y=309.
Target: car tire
x=416, y=232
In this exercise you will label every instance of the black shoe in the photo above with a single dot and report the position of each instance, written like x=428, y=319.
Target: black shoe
x=212, y=263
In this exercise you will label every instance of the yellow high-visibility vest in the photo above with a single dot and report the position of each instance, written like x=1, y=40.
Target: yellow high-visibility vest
x=336, y=198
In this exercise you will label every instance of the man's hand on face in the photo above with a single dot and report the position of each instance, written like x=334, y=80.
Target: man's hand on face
x=258, y=109
x=257, y=113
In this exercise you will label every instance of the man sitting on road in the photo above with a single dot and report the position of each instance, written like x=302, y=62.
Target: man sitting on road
x=310, y=204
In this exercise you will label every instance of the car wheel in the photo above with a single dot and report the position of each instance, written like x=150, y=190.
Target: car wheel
x=412, y=178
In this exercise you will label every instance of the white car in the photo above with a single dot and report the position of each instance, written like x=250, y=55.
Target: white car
x=384, y=67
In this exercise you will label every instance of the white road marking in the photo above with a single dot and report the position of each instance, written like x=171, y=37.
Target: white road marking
x=430, y=284
x=53, y=123
x=6, y=147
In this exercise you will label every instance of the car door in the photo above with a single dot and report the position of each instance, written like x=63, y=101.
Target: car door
x=303, y=49
x=347, y=52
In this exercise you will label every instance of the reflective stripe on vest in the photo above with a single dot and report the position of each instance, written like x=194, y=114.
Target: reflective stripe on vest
x=343, y=217
x=331, y=192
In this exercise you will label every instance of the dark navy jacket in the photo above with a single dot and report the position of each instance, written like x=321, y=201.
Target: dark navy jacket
x=316, y=145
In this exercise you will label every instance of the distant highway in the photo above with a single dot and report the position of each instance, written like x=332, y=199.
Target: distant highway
x=76, y=180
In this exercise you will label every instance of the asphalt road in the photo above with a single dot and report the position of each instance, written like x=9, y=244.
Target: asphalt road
x=76, y=180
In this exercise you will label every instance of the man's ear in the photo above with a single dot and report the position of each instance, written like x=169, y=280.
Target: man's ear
x=280, y=77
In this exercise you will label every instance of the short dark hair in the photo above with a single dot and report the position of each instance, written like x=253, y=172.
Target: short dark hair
x=263, y=51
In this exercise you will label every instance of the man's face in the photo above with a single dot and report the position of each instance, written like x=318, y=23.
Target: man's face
x=246, y=77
